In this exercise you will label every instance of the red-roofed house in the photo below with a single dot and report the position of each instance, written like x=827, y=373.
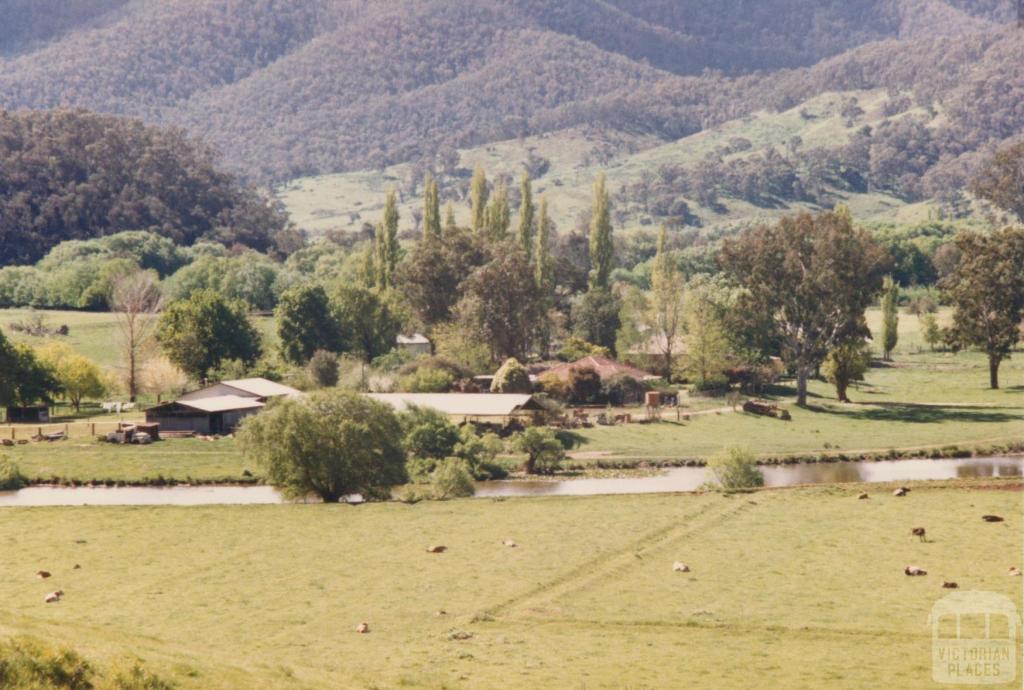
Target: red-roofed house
x=605, y=367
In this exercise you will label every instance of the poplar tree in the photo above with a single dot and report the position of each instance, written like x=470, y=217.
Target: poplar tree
x=431, y=211
x=666, y=313
x=478, y=197
x=387, y=243
x=498, y=218
x=541, y=257
x=601, y=249
x=890, y=317
x=525, y=234
x=449, y=219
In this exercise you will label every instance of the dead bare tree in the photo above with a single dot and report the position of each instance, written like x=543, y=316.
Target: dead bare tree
x=136, y=300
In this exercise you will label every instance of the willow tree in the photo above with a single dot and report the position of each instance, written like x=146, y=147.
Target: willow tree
x=813, y=276
x=525, y=233
x=478, y=196
x=431, y=211
x=601, y=248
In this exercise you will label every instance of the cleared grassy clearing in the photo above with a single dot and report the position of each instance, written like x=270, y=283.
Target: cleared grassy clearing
x=269, y=596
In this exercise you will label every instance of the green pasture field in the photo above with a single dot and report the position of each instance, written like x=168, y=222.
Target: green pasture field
x=800, y=588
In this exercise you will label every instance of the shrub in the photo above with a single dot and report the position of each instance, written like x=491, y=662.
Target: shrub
x=27, y=664
x=11, y=478
x=544, y=452
x=427, y=380
x=622, y=388
x=324, y=369
x=452, y=479
x=736, y=468
x=428, y=434
x=585, y=385
x=555, y=387
x=575, y=349
x=512, y=377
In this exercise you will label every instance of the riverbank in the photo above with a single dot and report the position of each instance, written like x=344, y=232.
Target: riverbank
x=270, y=596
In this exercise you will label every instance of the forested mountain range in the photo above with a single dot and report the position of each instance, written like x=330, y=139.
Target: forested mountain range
x=287, y=88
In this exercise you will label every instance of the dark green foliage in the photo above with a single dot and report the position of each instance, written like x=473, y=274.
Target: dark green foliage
x=323, y=369
x=11, y=479
x=200, y=333
x=28, y=664
x=24, y=380
x=430, y=279
x=116, y=175
x=595, y=318
x=306, y=323
x=602, y=249
x=428, y=434
x=368, y=324
x=585, y=385
x=987, y=293
x=331, y=444
x=544, y=452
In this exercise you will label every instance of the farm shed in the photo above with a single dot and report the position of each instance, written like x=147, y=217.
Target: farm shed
x=215, y=415
x=258, y=389
x=466, y=407
x=416, y=345
x=33, y=414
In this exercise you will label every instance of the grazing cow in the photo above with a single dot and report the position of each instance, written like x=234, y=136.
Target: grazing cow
x=42, y=574
x=919, y=533
x=441, y=612
x=54, y=597
x=914, y=571
x=950, y=585
x=1014, y=572
x=863, y=496
x=509, y=543
x=680, y=567
x=363, y=628
x=902, y=491
x=991, y=518
x=437, y=549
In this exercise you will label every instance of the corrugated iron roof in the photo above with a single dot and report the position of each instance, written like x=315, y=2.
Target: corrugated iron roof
x=221, y=403
x=262, y=388
x=415, y=339
x=460, y=404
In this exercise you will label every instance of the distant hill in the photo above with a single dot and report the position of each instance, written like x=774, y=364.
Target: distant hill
x=287, y=88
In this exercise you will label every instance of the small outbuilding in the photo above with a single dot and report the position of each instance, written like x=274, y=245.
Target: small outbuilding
x=32, y=414
x=212, y=415
x=417, y=345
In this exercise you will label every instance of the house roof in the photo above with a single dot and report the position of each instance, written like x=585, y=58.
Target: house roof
x=220, y=403
x=262, y=388
x=415, y=339
x=604, y=366
x=461, y=404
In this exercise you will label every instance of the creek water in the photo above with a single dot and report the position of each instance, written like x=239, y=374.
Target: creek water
x=673, y=480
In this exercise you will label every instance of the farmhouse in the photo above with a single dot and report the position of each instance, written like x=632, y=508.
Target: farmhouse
x=467, y=407
x=217, y=409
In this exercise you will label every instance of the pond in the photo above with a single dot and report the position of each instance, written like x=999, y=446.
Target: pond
x=673, y=480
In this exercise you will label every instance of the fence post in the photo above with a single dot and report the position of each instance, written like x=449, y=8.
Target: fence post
x=92, y=429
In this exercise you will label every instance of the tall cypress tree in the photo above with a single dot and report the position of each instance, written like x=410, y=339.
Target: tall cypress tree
x=601, y=249
x=525, y=233
x=478, y=197
x=449, y=219
x=541, y=257
x=890, y=316
x=431, y=211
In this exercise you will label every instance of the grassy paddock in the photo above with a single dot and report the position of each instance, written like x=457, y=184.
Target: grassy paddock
x=269, y=596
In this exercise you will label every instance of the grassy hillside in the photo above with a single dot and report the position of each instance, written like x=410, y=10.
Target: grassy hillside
x=269, y=597
x=576, y=156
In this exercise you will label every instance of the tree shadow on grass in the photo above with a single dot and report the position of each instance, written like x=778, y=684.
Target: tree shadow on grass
x=921, y=414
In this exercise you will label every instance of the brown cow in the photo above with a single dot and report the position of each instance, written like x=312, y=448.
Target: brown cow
x=919, y=533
